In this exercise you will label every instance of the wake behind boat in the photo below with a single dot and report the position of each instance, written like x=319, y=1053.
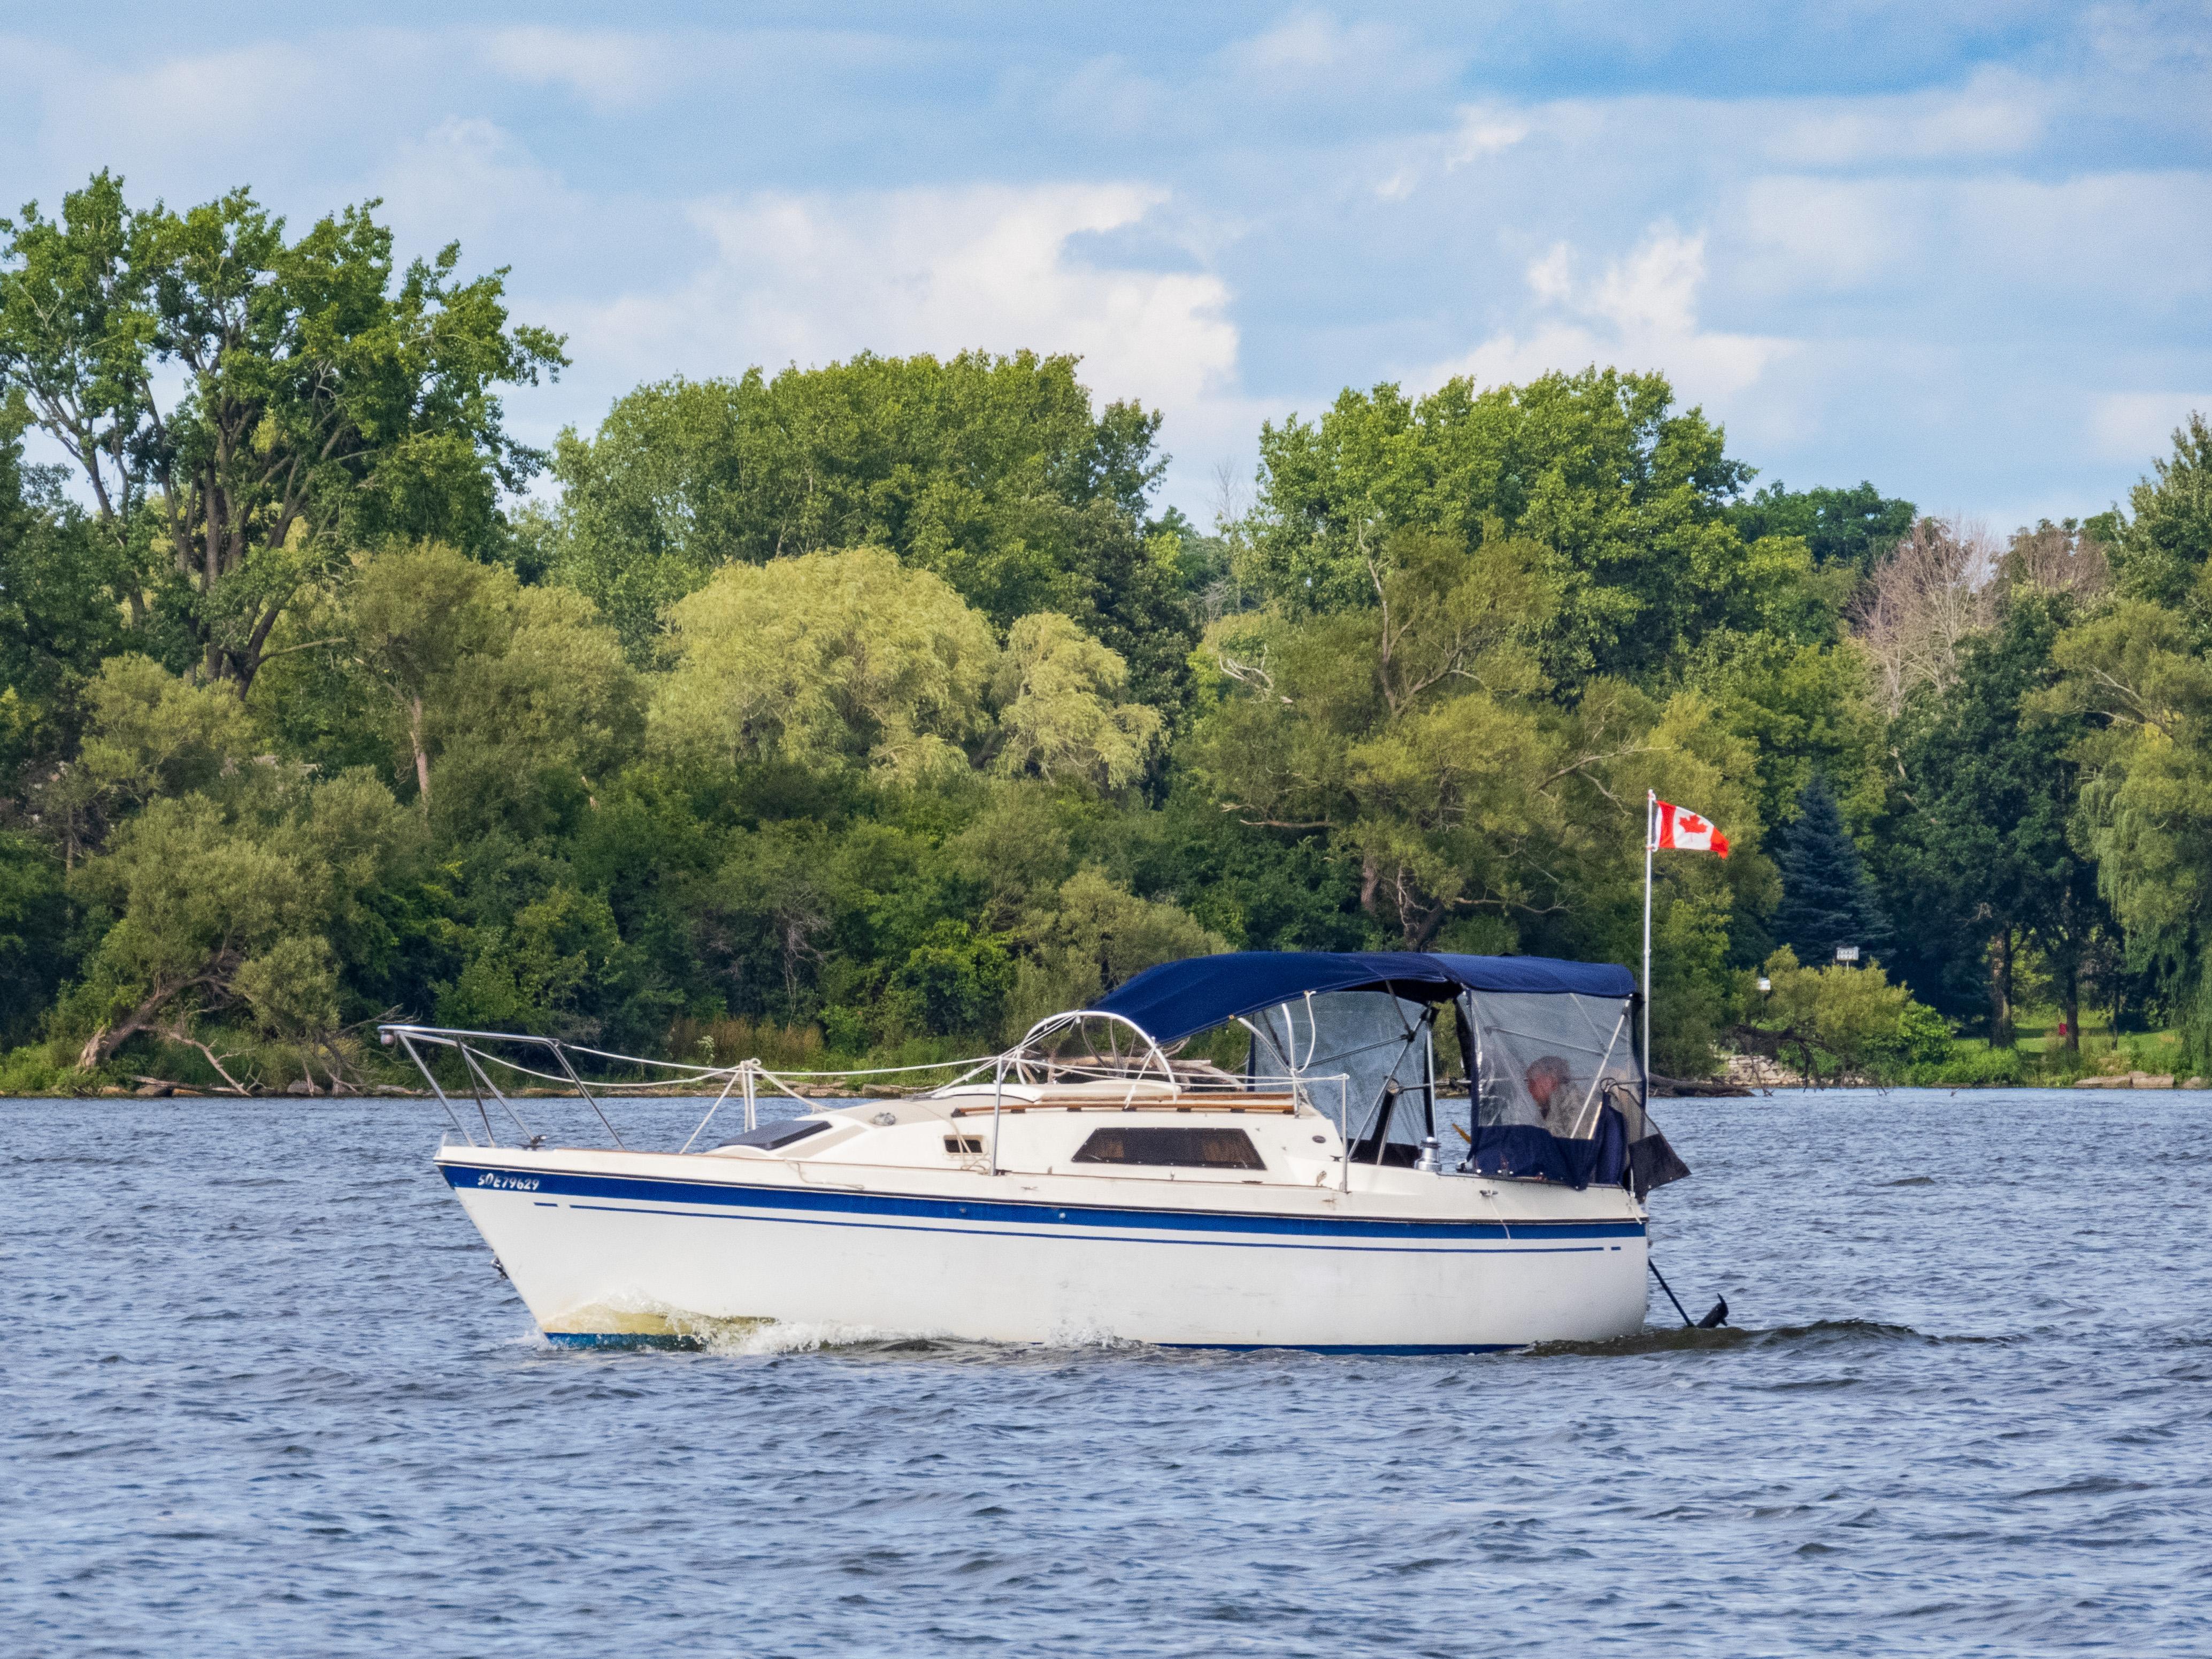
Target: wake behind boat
x=1103, y=1181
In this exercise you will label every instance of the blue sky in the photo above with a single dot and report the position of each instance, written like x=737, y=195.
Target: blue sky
x=1963, y=251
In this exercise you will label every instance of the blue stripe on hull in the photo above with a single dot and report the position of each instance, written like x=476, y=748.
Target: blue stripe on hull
x=891, y=1209
x=1046, y=1229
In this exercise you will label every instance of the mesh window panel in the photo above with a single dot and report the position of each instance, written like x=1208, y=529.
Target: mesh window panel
x=1372, y=1038
x=1546, y=1060
x=1175, y=1149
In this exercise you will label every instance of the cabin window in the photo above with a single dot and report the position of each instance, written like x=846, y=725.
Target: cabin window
x=1178, y=1149
x=964, y=1145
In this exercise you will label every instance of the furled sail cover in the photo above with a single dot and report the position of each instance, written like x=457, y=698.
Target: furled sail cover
x=1550, y=1053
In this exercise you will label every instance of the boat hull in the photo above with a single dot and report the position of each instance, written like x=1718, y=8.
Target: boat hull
x=614, y=1247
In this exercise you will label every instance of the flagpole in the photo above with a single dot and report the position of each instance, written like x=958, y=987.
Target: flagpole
x=1650, y=837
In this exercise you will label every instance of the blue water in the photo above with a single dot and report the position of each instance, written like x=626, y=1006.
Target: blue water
x=264, y=1393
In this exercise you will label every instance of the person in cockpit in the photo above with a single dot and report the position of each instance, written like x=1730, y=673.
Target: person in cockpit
x=1545, y=1077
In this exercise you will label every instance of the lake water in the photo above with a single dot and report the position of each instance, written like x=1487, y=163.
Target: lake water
x=264, y=1393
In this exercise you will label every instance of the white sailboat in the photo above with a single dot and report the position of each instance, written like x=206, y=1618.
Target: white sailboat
x=1097, y=1181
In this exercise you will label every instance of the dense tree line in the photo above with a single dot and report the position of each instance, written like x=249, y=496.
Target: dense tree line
x=879, y=707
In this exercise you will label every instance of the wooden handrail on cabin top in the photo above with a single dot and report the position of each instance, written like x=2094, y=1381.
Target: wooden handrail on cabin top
x=1282, y=1105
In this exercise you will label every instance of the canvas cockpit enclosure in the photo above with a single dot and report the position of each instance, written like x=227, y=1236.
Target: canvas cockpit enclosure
x=1549, y=1049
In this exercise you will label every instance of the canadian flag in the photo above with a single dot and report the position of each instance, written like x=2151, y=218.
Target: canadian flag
x=1679, y=828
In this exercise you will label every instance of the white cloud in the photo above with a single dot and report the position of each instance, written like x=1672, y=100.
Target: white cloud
x=1640, y=313
x=467, y=176
x=192, y=125
x=1310, y=50
x=2138, y=427
x=609, y=69
x=1995, y=116
x=2134, y=242
x=1481, y=133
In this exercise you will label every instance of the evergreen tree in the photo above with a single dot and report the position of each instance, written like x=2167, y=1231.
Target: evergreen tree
x=1826, y=898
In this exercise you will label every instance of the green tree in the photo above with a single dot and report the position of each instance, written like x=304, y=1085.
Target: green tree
x=1828, y=900
x=957, y=981
x=1835, y=1022
x=548, y=709
x=836, y=660
x=1057, y=689
x=148, y=734
x=2162, y=546
x=994, y=473
x=222, y=902
x=209, y=857
x=542, y=972
x=1095, y=934
x=1848, y=529
x=1624, y=495
x=1013, y=853
x=410, y=619
x=1404, y=731
x=2138, y=669
x=828, y=660
x=34, y=929
x=1801, y=709
x=323, y=400
x=2139, y=674
x=58, y=606
x=1978, y=853
x=1412, y=740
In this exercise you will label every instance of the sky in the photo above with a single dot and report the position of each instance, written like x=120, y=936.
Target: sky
x=1963, y=251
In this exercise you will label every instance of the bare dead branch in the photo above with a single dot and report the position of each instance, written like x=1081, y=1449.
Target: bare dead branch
x=1934, y=591
x=177, y=1033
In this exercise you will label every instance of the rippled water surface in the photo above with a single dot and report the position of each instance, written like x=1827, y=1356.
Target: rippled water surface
x=264, y=1393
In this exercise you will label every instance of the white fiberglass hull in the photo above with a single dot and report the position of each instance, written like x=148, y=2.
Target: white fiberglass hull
x=609, y=1245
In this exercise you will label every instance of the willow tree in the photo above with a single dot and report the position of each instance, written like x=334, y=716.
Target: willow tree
x=1059, y=692
x=829, y=659
x=2140, y=667
x=245, y=407
x=233, y=884
x=836, y=660
x=480, y=675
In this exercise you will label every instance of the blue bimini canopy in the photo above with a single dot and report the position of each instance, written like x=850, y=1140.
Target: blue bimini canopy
x=1178, y=999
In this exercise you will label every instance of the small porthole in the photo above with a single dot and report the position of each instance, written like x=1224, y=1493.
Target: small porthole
x=964, y=1145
